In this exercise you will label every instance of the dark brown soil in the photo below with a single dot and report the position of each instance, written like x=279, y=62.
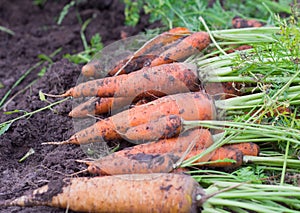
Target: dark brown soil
x=36, y=32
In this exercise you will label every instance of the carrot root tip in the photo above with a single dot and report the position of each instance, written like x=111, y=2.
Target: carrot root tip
x=56, y=143
x=84, y=161
x=57, y=96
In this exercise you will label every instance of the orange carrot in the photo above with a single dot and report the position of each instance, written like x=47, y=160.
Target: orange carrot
x=219, y=155
x=142, y=163
x=141, y=57
x=139, y=163
x=164, y=127
x=167, y=79
x=232, y=152
x=120, y=193
x=188, y=46
x=200, y=106
x=163, y=39
x=145, y=158
x=238, y=22
x=246, y=148
x=162, y=155
x=201, y=137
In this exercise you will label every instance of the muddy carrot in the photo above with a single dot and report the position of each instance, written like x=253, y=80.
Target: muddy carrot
x=156, y=156
x=238, y=22
x=141, y=57
x=142, y=163
x=188, y=46
x=162, y=156
x=200, y=107
x=201, y=137
x=165, y=127
x=163, y=39
x=246, y=148
x=139, y=163
x=223, y=153
x=120, y=193
x=168, y=79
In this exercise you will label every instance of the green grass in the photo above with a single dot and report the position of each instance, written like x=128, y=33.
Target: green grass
x=174, y=13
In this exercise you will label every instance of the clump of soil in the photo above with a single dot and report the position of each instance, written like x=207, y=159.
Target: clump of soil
x=36, y=32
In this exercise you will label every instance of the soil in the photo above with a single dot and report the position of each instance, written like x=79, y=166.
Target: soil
x=37, y=32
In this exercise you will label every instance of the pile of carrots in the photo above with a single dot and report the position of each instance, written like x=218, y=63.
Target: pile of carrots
x=143, y=99
x=148, y=95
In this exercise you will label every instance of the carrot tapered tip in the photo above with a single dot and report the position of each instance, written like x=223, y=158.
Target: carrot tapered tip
x=71, y=114
x=85, y=161
x=57, y=143
x=66, y=94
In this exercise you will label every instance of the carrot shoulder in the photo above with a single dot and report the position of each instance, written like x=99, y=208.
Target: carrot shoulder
x=120, y=193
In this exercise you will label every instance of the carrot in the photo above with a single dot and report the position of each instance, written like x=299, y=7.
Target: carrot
x=246, y=148
x=120, y=193
x=164, y=127
x=232, y=152
x=155, y=156
x=201, y=137
x=238, y=22
x=167, y=79
x=150, y=51
x=219, y=155
x=162, y=156
x=200, y=107
x=141, y=57
x=139, y=163
x=163, y=39
x=142, y=163
x=188, y=46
